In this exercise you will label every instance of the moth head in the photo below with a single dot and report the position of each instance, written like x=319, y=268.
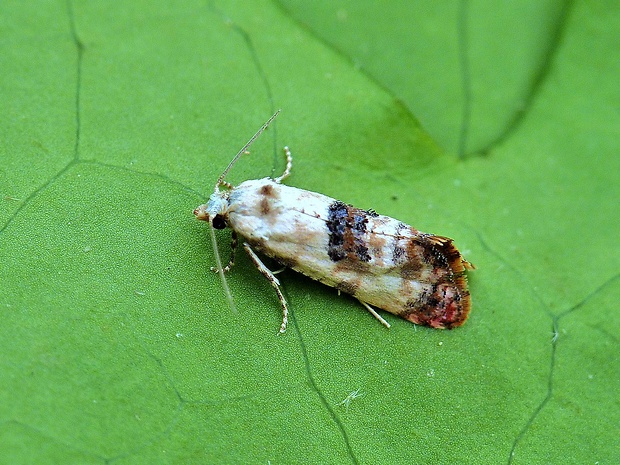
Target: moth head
x=215, y=211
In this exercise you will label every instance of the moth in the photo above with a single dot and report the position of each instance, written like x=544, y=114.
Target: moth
x=382, y=262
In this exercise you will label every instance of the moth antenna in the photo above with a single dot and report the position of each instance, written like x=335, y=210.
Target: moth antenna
x=220, y=180
x=218, y=263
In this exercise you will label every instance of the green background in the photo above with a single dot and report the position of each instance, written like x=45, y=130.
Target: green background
x=495, y=125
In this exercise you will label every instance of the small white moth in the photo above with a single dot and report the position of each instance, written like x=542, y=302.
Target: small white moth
x=377, y=259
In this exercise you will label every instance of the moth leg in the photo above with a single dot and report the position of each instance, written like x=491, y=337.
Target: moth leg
x=226, y=184
x=233, y=248
x=375, y=314
x=289, y=165
x=273, y=280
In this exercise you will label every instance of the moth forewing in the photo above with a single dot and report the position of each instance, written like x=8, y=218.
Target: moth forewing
x=379, y=260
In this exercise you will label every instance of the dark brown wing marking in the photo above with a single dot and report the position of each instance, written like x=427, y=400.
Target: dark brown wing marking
x=445, y=303
x=346, y=226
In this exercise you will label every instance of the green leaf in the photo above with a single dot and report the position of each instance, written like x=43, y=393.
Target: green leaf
x=117, y=342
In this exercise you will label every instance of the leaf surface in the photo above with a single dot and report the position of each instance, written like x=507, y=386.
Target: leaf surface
x=117, y=342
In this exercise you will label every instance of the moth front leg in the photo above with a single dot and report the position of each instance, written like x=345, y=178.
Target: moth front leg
x=266, y=272
x=233, y=248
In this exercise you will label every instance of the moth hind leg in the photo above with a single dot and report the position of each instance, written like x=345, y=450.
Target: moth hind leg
x=289, y=166
x=374, y=313
x=266, y=272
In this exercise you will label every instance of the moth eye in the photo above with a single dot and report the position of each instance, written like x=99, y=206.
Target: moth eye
x=218, y=222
